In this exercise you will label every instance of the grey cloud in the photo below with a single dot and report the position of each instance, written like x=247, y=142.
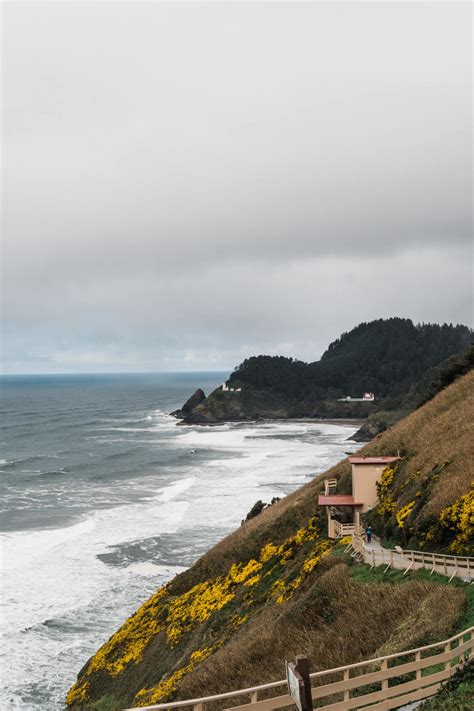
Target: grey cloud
x=192, y=183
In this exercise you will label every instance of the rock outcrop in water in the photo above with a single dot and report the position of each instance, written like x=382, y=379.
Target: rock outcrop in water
x=196, y=399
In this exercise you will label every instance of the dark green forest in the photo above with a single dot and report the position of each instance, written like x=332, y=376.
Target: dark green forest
x=386, y=357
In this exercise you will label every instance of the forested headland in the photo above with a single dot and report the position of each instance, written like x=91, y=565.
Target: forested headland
x=392, y=358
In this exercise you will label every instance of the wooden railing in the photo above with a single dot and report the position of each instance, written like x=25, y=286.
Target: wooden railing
x=328, y=485
x=450, y=565
x=346, y=529
x=385, y=682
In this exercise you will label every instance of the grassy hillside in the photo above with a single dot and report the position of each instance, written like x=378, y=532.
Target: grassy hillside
x=278, y=584
x=392, y=410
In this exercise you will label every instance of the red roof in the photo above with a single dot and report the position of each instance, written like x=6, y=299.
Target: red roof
x=373, y=460
x=338, y=500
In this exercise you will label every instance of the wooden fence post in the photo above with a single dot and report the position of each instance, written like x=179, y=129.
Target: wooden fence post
x=384, y=667
x=302, y=667
x=447, y=665
x=417, y=659
x=346, y=676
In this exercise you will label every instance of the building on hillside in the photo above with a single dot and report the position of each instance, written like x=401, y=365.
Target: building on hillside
x=226, y=389
x=366, y=397
x=343, y=511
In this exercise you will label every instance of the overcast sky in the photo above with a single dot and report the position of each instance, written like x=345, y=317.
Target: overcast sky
x=186, y=185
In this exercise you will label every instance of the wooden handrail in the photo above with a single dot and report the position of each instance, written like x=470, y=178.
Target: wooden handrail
x=329, y=484
x=346, y=529
x=459, y=566
x=419, y=688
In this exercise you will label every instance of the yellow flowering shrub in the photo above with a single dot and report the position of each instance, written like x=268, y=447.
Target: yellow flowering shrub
x=403, y=514
x=268, y=552
x=197, y=605
x=289, y=590
x=322, y=549
x=128, y=644
x=166, y=687
x=252, y=581
x=239, y=573
x=201, y=654
x=176, y=616
x=236, y=621
x=125, y=646
x=345, y=540
x=459, y=517
x=277, y=586
x=78, y=693
x=286, y=555
x=307, y=533
x=387, y=504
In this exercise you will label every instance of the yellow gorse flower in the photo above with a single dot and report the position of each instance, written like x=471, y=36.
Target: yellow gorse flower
x=169, y=685
x=322, y=549
x=268, y=552
x=178, y=615
x=78, y=693
x=386, y=501
x=199, y=603
x=403, y=513
x=125, y=646
x=459, y=517
x=252, y=581
x=345, y=540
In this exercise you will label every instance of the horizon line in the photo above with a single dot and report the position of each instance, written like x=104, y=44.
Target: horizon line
x=115, y=372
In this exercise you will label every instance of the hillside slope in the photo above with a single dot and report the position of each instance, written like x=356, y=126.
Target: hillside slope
x=277, y=583
x=386, y=357
x=436, y=379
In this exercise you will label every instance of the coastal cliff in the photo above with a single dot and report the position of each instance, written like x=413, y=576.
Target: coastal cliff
x=386, y=357
x=254, y=403
x=279, y=583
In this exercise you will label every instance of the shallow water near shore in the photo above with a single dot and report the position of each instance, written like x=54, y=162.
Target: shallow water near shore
x=104, y=498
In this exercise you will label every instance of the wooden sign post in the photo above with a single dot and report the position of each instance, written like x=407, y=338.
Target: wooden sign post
x=299, y=685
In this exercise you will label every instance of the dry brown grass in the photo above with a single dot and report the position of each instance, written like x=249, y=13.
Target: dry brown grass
x=337, y=621
x=441, y=432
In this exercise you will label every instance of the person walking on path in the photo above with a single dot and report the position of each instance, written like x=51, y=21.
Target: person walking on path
x=368, y=533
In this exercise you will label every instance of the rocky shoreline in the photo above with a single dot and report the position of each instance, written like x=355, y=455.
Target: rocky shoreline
x=221, y=407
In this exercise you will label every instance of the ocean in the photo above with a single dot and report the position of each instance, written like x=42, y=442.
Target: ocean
x=105, y=498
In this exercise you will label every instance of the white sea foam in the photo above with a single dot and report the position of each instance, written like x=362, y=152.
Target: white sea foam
x=173, y=490
x=146, y=568
x=55, y=575
x=23, y=548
